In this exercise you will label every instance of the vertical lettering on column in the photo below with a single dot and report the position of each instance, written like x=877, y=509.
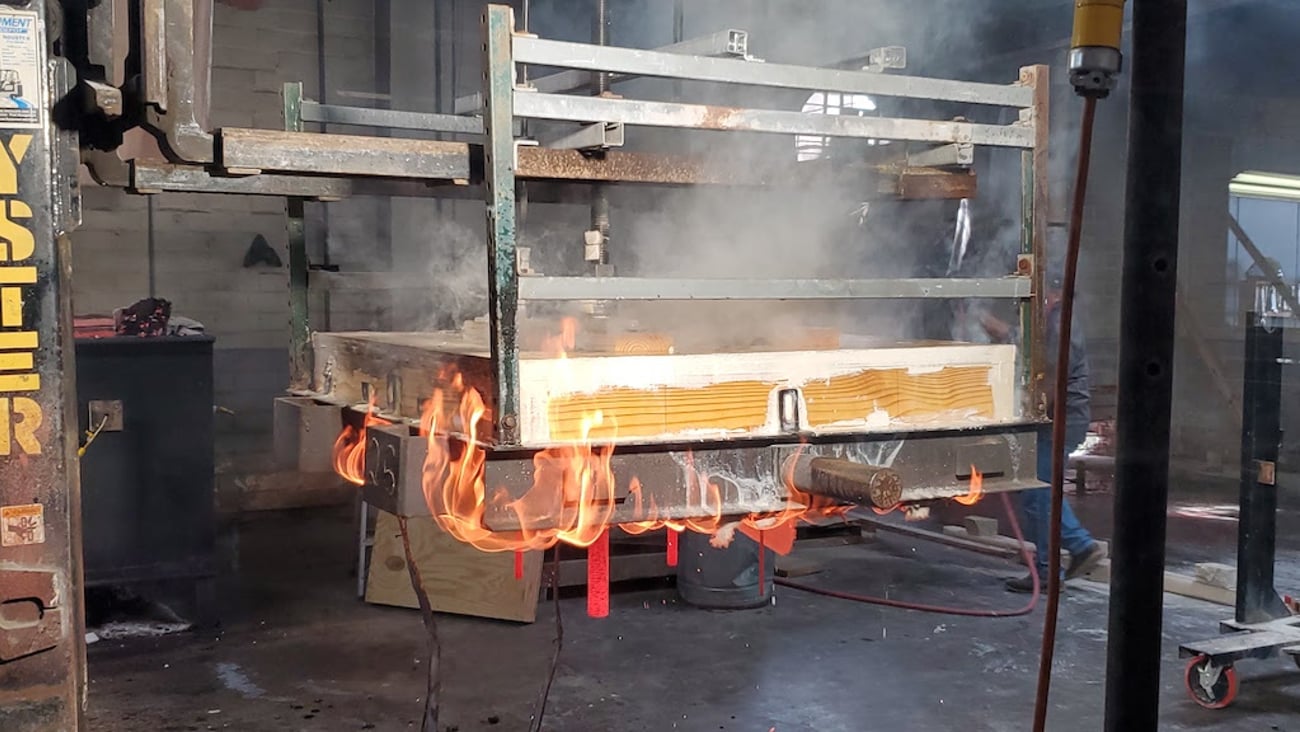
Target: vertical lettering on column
x=20, y=415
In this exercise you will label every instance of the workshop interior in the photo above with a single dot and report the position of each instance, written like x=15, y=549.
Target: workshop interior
x=580, y=365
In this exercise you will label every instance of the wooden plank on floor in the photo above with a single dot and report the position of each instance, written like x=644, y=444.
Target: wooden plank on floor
x=458, y=578
x=1178, y=584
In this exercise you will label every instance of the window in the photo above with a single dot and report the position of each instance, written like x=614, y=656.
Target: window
x=1268, y=209
x=812, y=147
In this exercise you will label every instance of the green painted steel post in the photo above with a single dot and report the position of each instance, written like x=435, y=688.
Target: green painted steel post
x=499, y=180
x=300, y=364
x=1035, y=202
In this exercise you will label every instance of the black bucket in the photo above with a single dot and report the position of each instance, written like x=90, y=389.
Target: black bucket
x=723, y=579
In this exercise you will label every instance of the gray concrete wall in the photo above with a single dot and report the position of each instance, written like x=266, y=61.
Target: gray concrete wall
x=199, y=241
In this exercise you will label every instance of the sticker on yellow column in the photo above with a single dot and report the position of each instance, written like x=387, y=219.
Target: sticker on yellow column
x=22, y=525
x=22, y=78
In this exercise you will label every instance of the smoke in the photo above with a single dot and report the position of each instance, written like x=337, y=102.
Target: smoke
x=800, y=230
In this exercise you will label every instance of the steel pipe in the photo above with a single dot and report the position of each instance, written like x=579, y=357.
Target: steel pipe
x=1147, y=305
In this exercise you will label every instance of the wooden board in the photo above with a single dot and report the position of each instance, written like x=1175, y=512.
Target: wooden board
x=646, y=398
x=900, y=393
x=886, y=387
x=458, y=578
x=1178, y=584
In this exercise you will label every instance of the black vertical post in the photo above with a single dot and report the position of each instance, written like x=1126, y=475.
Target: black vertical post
x=1261, y=439
x=1145, y=364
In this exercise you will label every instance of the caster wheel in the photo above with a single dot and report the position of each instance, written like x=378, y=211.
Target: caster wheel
x=1211, y=686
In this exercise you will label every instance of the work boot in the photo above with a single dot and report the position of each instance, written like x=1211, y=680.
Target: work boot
x=1085, y=561
x=1021, y=584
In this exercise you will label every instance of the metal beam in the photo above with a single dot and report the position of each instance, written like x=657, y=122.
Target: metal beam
x=245, y=150
x=502, y=218
x=722, y=43
x=1134, y=652
x=647, y=288
x=590, y=136
x=161, y=177
x=389, y=119
x=698, y=116
x=667, y=65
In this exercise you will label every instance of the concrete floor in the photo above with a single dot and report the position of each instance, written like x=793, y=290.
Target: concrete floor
x=299, y=652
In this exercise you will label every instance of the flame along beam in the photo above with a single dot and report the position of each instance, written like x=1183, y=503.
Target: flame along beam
x=750, y=476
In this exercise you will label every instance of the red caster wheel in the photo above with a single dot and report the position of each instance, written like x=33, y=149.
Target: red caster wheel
x=1212, y=686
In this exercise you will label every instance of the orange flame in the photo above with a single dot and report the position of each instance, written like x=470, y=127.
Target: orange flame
x=573, y=493
x=350, y=448
x=976, y=489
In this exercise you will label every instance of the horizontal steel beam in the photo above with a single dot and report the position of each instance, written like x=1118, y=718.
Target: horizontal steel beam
x=245, y=150
x=539, y=163
x=390, y=119
x=722, y=43
x=162, y=177
x=646, y=288
x=328, y=166
x=590, y=136
x=669, y=65
x=703, y=117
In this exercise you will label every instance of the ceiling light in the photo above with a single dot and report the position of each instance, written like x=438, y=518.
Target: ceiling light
x=1256, y=178
x=1263, y=191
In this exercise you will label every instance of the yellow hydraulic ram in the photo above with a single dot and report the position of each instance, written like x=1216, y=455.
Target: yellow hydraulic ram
x=1095, y=56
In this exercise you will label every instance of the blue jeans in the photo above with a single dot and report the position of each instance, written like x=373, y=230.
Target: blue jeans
x=1036, y=505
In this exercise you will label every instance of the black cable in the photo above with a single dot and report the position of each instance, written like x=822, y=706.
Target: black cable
x=536, y=725
x=434, y=685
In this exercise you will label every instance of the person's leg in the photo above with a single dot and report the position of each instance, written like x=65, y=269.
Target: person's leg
x=1074, y=538
x=1036, y=504
x=1036, y=508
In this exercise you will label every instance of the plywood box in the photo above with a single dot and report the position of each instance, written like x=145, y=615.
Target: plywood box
x=661, y=397
x=458, y=578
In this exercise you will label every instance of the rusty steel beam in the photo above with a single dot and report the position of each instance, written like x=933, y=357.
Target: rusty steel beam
x=537, y=163
x=919, y=184
x=312, y=157
x=254, y=151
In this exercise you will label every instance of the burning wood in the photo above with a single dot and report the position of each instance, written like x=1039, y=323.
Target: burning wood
x=350, y=448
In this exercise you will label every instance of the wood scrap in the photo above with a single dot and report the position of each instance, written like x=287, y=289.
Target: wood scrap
x=1177, y=584
x=981, y=526
x=1217, y=575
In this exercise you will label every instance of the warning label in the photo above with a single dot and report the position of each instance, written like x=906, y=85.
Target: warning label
x=22, y=79
x=22, y=525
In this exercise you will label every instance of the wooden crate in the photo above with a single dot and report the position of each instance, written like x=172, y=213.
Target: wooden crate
x=458, y=578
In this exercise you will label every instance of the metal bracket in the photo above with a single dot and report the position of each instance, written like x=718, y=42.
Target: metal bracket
x=523, y=261
x=593, y=136
x=886, y=57
x=957, y=154
x=522, y=143
x=175, y=79
x=1266, y=472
